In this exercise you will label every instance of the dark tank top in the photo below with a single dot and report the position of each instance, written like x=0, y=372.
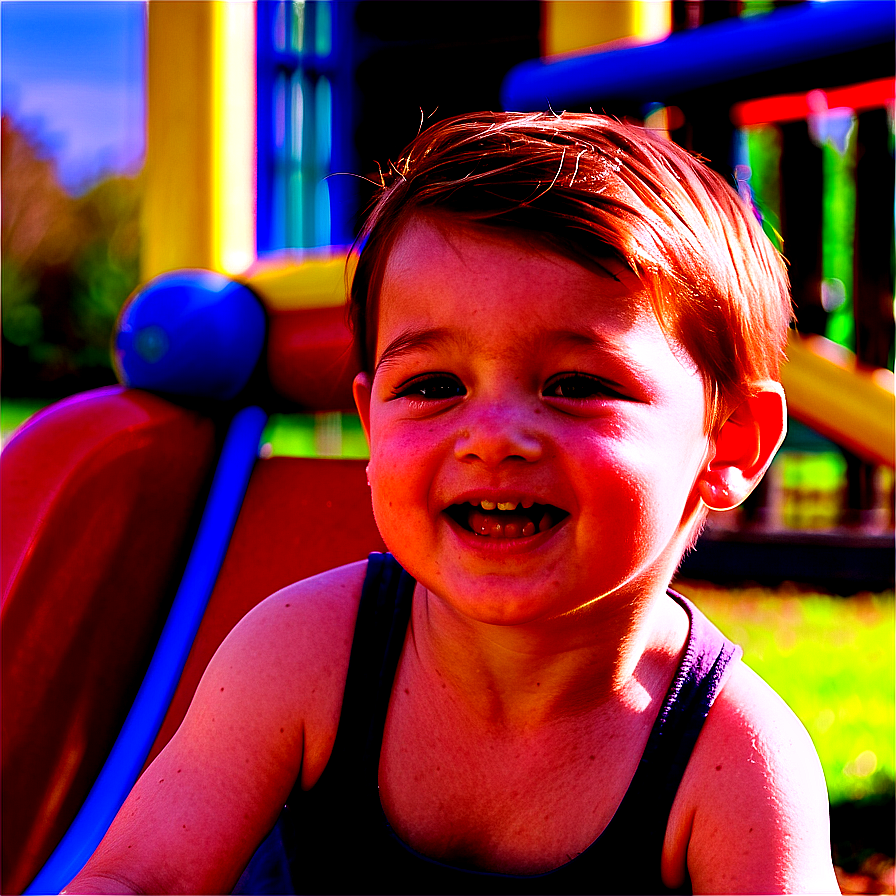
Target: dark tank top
x=335, y=838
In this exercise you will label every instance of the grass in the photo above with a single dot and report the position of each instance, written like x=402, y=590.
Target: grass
x=832, y=660
x=14, y=412
x=312, y=435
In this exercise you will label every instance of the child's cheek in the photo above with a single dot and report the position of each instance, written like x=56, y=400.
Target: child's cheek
x=401, y=474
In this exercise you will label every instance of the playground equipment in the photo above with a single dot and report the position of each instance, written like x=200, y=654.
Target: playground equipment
x=140, y=526
x=828, y=391
x=107, y=488
x=799, y=69
x=735, y=52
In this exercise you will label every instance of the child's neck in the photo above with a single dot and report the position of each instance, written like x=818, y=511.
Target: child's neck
x=525, y=678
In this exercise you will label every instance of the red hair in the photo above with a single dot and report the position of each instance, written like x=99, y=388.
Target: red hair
x=591, y=188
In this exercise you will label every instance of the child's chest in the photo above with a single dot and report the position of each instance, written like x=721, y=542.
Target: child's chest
x=492, y=800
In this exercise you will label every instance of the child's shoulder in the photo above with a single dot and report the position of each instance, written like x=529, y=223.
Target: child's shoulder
x=754, y=788
x=309, y=609
x=753, y=734
x=304, y=625
x=288, y=657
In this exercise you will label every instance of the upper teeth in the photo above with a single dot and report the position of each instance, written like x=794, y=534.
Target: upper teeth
x=502, y=505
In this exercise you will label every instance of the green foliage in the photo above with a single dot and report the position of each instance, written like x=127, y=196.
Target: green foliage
x=764, y=152
x=22, y=320
x=107, y=269
x=68, y=265
x=838, y=230
x=832, y=660
x=838, y=219
x=756, y=7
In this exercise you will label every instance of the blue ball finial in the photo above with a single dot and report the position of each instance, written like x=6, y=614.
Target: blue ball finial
x=190, y=332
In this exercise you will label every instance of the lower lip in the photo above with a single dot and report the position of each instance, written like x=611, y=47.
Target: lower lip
x=490, y=545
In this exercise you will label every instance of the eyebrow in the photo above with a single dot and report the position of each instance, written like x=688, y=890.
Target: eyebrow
x=584, y=338
x=612, y=349
x=412, y=339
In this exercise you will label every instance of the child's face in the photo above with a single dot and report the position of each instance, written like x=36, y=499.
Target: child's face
x=509, y=375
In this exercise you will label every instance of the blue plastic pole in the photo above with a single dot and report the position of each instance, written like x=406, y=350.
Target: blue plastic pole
x=692, y=59
x=142, y=724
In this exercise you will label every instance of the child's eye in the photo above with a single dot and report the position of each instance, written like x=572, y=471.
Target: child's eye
x=579, y=386
x=431, y=387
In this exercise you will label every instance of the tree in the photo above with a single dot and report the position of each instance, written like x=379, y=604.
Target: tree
x=68, y=264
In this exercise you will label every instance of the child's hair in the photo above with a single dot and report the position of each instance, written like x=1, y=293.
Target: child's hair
x=593, y=188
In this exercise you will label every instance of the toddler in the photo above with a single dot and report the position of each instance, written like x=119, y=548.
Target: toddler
x=571, y=332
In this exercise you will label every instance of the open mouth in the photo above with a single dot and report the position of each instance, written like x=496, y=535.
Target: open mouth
x=509, y=519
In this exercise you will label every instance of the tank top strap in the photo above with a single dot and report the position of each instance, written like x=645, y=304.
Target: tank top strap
x=708, y=656
x=383, y=616
x=306, y=851
x=643, y=815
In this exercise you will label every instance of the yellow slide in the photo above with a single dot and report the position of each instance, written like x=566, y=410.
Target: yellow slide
x=852, y=407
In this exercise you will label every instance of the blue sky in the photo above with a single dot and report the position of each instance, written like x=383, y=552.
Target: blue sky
x=72, y=74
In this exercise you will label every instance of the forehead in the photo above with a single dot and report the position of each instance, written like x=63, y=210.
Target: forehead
x=485, y=300
x=441, y=270
x=476, y=282
x=478, y=298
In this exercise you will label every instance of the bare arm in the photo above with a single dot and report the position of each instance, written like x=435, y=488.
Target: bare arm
x=263, y=716
x=754, y=813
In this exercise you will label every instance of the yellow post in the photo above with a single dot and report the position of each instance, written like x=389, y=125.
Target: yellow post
x=199, y=203
x=234, y=143
x=572, y=25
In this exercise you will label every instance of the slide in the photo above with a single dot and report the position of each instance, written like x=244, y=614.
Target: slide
x=827, y=391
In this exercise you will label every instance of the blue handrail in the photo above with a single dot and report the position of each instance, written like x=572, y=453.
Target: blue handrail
x=687, y=60
x=144, y=720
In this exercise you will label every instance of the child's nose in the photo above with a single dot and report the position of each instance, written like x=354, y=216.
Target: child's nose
x=498, y=432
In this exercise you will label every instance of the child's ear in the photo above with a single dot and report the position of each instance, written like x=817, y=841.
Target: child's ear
x=361, y=392
x=744, y=447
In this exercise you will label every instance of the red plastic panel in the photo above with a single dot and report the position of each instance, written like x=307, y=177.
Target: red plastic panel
x=99, y=495
x=300, y=517
x=310, y=357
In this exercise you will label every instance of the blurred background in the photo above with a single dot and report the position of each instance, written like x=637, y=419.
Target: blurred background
x=802, y=576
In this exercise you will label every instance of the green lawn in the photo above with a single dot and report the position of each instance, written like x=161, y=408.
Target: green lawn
x=832, y=660
x=14, y=412
x=308, y=435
